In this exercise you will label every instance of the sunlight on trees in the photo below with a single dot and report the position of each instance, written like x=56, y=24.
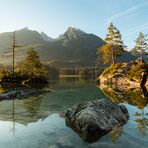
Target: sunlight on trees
x=114, y=46
x=32, y=65
x=141, y=46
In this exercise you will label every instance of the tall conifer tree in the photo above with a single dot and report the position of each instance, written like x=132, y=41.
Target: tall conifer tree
x=32, y=65
x=141, y=45
x=114, y=46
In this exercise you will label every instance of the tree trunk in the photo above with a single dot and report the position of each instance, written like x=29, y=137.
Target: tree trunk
x=144, y=79
x=141, y=57
x=13, y=47
x=113, y=56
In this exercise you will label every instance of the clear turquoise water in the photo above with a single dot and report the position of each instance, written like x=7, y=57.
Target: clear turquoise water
x=37, y=122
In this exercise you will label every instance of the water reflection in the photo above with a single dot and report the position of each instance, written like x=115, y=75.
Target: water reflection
x=32, y=105
x=64, y=93
x=34, y=124
x=142, y=126
x=13, y=118
x=115, y=134
x=134, y=96
x=19, y=110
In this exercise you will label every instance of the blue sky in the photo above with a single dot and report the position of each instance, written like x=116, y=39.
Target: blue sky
x=92, y=16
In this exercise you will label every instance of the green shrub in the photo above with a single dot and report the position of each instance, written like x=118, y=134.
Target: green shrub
x=111, y=70
x=137, y=70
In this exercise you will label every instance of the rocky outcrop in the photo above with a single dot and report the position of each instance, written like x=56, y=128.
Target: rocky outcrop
x=93, y=119
x=125, y=75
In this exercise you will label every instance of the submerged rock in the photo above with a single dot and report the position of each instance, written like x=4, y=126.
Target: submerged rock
x=20, y=94
x=93, y=119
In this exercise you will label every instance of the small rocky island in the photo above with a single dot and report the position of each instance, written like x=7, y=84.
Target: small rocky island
x=125, y=75
x=26, y=80
x=93, y=119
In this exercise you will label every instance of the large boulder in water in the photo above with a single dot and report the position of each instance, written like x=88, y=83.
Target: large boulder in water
x=93, y=119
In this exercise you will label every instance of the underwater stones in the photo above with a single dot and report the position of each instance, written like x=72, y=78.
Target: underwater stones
x=23, y=93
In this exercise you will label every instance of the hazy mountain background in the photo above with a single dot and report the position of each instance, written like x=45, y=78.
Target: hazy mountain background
x=74, y=48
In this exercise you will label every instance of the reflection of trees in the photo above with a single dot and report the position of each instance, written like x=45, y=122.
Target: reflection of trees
x=137, y=98
x=134, y=96
x=115, y=134
x=32, y=105
x=2, y=90
x=5, y=87
x=114, y=95
x=13, y=117
x=143, y=122
x=142, y=125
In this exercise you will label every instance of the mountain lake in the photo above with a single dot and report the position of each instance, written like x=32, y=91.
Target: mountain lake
x=38, y=122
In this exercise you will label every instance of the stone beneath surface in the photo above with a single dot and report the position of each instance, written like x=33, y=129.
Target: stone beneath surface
x=93, y=119
x=20, y=94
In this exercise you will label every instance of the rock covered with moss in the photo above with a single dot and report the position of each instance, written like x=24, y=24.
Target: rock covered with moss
x=131, y=74
x=93, y=119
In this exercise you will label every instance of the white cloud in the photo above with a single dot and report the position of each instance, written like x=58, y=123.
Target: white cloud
x=137, y=29
x=126, y=12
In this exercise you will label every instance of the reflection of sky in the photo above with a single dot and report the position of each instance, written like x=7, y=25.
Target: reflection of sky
x=133, y=109
x=52, y=131
x=30, y=135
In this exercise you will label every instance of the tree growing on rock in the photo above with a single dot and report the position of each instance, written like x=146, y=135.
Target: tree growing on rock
x=114, y=46
x=141, y=46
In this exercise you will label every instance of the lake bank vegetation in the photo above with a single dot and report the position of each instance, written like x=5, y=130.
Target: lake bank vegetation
x=123, y=74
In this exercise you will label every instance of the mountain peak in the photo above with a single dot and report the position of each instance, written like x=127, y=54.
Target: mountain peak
x=74, y=30
x=25, y=28
x=73, y=33
x=45, y=37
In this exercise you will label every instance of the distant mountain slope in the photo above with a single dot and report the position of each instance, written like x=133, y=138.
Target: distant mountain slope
x=74, y=48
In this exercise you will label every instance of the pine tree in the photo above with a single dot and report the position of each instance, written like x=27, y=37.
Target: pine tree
x=32, y=65
x=113, y=37
x=106, y=53
x=141, y=45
